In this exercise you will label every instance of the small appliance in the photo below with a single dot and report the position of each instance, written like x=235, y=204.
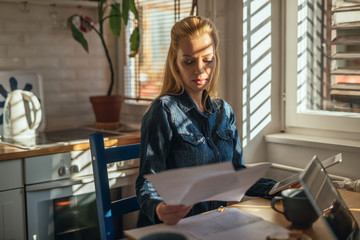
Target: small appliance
x=21, y=105
x=22, y=115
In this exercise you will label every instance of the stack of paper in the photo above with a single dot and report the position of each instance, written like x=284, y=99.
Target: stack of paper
x=230, y=223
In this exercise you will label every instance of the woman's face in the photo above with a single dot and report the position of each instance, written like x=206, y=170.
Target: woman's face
x=196, y=62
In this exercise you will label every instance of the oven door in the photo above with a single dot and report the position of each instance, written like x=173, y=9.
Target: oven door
x=66, y=209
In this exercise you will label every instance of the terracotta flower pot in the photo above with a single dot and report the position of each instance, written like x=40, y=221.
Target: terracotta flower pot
x=107, y=110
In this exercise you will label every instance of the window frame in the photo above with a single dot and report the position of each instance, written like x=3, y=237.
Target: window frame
x=345, y=122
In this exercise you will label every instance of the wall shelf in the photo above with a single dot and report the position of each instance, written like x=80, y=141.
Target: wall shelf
x=66, y=3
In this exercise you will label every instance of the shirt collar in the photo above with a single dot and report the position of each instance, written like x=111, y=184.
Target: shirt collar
x=186, y=103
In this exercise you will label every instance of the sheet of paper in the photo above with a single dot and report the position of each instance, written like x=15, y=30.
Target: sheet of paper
x=216, y=222
x=229, y=224
x=217, y=181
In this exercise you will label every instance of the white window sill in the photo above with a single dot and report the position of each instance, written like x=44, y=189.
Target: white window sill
x=314, y=142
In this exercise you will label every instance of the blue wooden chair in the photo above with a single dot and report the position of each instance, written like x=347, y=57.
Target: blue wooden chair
x=106, y=208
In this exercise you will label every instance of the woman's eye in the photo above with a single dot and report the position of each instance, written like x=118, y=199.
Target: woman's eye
x=188, y=62
x=208, y=60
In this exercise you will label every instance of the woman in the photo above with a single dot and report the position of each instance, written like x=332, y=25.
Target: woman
x=186, y=125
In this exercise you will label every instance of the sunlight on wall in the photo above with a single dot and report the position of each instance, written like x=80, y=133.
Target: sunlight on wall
x=257, y=68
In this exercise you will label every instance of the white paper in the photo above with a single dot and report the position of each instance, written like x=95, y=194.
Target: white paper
x=216, y=222
x=231, y=223
x=214, y=182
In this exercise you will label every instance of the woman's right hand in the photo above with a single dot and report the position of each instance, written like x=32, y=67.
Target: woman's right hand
x=171, y=214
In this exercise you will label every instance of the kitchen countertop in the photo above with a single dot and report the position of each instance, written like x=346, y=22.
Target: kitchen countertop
x=8, y=152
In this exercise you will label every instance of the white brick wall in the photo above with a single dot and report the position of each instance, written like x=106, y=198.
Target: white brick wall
x=31, y=41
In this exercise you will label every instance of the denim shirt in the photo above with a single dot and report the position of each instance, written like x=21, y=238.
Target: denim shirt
x=175, y=134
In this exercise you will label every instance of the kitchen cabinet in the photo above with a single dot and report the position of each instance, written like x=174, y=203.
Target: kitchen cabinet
x=11, y=174
x=12, y=220
x=12, y=210
x=72, y=168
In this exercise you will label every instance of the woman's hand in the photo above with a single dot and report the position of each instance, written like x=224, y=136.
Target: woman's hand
x=171, y=214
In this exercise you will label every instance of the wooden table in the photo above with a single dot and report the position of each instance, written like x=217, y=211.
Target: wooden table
x=261, y=207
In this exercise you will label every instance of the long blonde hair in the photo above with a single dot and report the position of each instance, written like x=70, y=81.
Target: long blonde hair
x=189, y=28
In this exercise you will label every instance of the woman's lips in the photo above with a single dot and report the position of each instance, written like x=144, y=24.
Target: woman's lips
x=200, y=81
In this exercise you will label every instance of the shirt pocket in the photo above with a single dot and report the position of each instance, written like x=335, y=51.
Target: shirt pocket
x=225, y=134
x=193, y=139
x=225, y=142
x=193, y=150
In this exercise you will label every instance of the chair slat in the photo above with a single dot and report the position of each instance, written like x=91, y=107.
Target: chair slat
x=125, y=206
x=122, y=153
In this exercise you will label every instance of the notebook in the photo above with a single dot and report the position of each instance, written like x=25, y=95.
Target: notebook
x=281, y=185
x=224, y=223
x=328, y=203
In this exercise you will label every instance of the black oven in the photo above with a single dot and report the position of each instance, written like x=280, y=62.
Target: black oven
x=60, y=195
x=75, y=217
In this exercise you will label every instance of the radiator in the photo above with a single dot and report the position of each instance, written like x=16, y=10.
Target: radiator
x=339, y=181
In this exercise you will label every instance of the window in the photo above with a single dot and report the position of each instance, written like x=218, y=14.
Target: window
x=257, y=67
x=343, y=74
x=144, y=73
x=322, y=62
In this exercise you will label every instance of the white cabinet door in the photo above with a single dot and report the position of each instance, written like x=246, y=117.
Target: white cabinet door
x=12, y=219
x=11, y=175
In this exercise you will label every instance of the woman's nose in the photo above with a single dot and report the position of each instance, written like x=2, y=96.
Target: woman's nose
x=199, y=67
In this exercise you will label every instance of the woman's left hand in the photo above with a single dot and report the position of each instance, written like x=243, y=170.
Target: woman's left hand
x=171, y=214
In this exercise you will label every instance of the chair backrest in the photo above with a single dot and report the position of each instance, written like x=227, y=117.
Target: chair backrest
x=106, y=208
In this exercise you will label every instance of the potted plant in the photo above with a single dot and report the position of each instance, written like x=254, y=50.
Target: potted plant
x=106, y=117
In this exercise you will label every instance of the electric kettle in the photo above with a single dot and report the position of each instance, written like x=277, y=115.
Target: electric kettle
x=22, y=115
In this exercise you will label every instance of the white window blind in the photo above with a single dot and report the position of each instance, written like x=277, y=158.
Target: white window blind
x=322, y=62
x=144, y=73
x=328, y=55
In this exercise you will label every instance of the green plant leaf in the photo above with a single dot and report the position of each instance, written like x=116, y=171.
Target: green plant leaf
x=133, y=9
x=115, y=19
x=134, y=42
x=78, y=36
x=125, y=11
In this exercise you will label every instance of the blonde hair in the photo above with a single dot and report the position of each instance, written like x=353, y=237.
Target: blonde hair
x=189, y=28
